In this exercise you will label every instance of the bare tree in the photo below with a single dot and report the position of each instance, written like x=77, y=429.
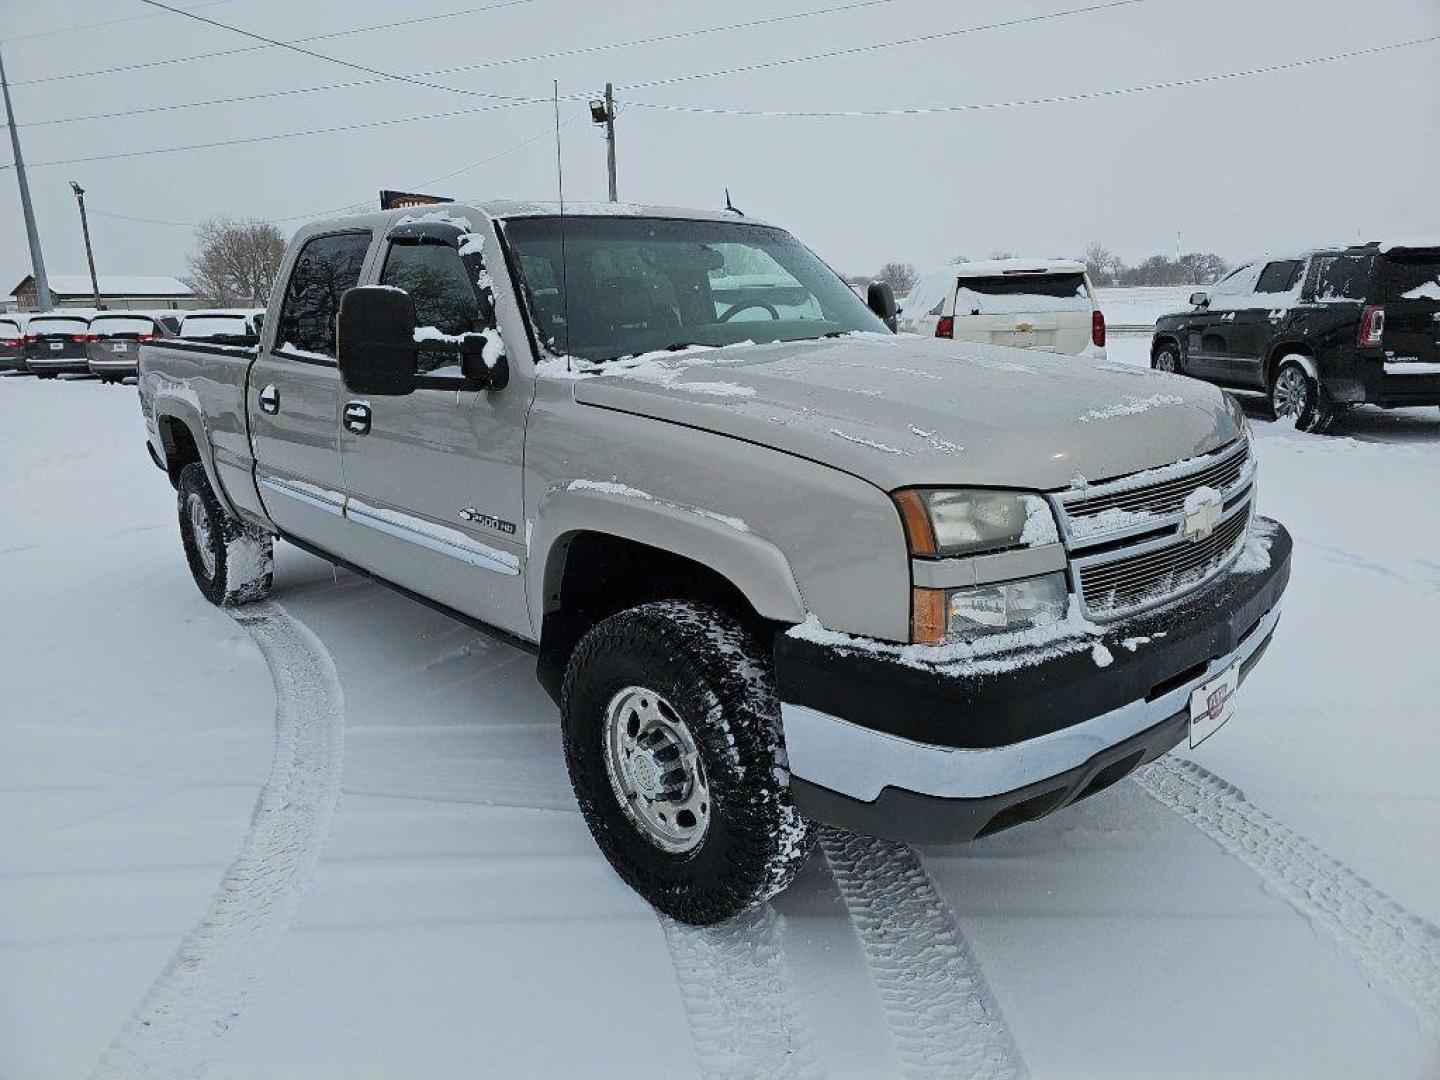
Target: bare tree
x=1002, y=255
x=1201, y=268
x=1103, y=265
x=959, y=260
x=901, y=277
x=235, y=262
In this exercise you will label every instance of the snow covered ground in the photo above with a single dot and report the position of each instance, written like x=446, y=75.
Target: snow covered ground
x=335, y=838
x=1141, y=305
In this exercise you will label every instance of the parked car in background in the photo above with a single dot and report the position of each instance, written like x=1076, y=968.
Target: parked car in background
x=1317, y=332
x=1046, y=304
x=55, y=342
x=12, y=342
x=113, y=345
x=236, y=326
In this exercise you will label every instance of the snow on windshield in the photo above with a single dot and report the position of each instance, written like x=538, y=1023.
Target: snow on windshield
x=1021, y=294
x=122, y=324
x=213, y=326
x=58, y=326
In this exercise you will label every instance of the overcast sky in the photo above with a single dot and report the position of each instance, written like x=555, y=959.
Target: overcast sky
x=1276, y=161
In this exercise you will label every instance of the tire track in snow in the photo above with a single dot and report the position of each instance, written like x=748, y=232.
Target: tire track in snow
x=943, y=1018
x=740, y=999
x=1397, y=949
x=178, y=1028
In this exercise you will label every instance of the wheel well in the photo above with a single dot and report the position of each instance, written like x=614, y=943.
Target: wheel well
x=1280, y=351
x=591, y=576
x=180, y=446
x=1167, y=339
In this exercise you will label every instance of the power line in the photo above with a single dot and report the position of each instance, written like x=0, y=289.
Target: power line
x=359, y=204
x=103, y=22
x=290, y=46
x=456, y=70
x=271, y=137
x=192, y=57
x=856, y=50
x=1051, y=99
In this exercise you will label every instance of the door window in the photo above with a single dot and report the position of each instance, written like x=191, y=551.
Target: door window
x=326, y=268
x=1279, y=277
x=447, y=299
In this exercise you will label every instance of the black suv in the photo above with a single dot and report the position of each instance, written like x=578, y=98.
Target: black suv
x=1318, y=332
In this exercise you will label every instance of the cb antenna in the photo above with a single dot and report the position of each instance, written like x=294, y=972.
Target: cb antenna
x=560, y=191
x=731, y=207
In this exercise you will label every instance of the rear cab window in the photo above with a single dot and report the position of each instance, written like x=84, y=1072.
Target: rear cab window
x=215, y=326
x=57, y=326
x=1011, y=294
x=121, y=326
x=1408, y=276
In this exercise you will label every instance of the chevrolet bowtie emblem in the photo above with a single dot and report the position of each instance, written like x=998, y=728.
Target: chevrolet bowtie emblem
x=1202, y=513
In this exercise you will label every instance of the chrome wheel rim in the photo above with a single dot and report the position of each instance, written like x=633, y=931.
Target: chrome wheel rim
x=655, y=770
x=1165, y=361
x=200, y=531
x=1291, y=393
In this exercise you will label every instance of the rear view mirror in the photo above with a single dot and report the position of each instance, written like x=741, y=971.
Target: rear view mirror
x=477, y=374
x=1199, y=299
x=259, y=324
x=880, y=298
x=375, y=341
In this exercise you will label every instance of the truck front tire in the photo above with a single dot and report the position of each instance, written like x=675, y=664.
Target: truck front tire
x=672, y=738
x=230, y=561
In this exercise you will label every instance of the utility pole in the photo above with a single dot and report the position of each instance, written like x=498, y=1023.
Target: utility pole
x=89, y=252
x=603, y=112
x=37, y=259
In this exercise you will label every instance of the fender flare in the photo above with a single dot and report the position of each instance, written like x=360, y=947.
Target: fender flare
x=1282, y=353
x=757, y=568
x=169, y=405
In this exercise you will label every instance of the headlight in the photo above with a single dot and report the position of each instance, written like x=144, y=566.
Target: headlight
x=1003, y=607
x=945, y=522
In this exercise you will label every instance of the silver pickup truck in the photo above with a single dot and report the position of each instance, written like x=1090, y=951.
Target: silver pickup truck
x=779, y=566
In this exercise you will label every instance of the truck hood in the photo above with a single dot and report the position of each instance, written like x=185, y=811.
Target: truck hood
x=903, y=410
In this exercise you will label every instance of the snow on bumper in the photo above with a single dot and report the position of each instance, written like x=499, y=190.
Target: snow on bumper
x=886, y=748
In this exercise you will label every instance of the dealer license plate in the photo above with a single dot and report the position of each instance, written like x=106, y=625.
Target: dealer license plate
x=119, y=346
x=56, y=346
x=1212, y=704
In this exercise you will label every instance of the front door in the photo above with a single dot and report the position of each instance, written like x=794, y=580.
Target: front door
x=294, y=393
x=1276, y=291
x=434, y=477
x=1209, y=330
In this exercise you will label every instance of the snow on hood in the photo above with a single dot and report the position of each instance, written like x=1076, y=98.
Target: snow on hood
x=946, y=412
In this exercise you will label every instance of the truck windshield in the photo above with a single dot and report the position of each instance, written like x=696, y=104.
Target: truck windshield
x=1410, y=276
x=630, y=285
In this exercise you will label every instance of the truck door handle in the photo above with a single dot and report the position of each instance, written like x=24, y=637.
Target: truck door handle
x=357, y=417
x=270, y=400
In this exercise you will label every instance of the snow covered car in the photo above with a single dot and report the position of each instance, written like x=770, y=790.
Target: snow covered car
x=1046, y=304
x=113, y=341
x=55, y=342
x=1318, y=331
x=12, y=342
x=776, y=571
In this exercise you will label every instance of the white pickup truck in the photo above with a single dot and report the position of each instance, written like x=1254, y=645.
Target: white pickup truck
x=778, y=565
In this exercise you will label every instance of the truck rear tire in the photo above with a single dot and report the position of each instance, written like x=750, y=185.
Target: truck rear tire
x=231, y=562
x=1293, y=393
x=672, y=737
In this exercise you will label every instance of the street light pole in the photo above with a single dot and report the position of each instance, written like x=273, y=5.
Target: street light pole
x=89, y=252
x=37, y=258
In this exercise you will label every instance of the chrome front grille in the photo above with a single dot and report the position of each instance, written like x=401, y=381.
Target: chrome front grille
x=1129, y=544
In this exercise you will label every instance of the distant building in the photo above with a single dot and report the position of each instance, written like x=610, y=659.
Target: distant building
x=117, y=291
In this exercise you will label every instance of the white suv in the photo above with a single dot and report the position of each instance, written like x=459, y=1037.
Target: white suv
x=1046, y=304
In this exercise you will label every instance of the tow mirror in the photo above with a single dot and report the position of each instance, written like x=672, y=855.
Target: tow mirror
x=880, y=298
x=259, y=324
x=477, y=374
x=1199, y=299
x=375, y=341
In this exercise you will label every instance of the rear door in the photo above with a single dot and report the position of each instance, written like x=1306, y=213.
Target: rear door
x=1249, y=334
x=1407, y=283
x=1047, y=310
x=433, y=478
x=294, y=394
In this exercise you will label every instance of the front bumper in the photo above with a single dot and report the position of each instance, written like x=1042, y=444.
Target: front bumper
x=893, y=750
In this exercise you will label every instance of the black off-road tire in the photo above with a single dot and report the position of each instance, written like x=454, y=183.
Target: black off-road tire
x=1316, y=412
x=239, y=569
x=1177, y=359
x=718, y=678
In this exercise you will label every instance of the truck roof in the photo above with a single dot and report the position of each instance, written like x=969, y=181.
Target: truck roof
x=515, y=208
